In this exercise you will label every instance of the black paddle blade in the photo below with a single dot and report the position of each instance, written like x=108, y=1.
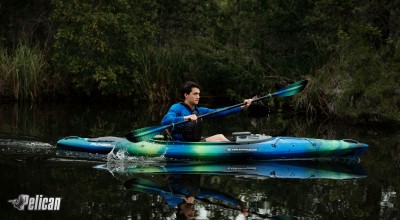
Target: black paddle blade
x=130, y=136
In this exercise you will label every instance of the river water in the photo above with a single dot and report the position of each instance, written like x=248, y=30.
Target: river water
x=51, y=183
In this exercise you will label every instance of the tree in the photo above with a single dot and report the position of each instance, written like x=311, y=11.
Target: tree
x=95, y=43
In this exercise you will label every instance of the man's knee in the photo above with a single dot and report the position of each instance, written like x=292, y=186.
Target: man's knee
x=217, y=138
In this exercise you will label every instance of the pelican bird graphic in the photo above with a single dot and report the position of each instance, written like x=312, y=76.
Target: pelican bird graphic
x=20, y=202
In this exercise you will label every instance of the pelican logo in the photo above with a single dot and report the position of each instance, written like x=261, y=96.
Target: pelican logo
x=35, y=203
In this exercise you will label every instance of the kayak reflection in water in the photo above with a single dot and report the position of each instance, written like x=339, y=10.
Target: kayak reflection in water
x=181, y=192
x=188, y=111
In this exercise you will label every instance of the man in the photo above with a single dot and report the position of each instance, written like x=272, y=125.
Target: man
x=188, y=111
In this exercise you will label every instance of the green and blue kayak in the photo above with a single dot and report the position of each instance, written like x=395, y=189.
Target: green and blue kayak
x=244, y=146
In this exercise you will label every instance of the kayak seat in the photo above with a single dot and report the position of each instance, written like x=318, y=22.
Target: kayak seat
x=160, y=137
x=240, y=133
x=237, y=134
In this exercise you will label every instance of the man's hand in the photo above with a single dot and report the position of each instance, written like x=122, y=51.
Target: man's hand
x=248, y=103
x=190, y=118
x=189, y=199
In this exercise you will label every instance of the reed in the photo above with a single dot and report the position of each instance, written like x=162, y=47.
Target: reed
x=6, y=66
x=162, y=71
x=312, y=100
x=22, y=72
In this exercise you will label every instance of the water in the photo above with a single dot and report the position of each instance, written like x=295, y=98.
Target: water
x=96, y=186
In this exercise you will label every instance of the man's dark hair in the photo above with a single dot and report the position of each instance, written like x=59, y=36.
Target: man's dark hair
x=187, y=87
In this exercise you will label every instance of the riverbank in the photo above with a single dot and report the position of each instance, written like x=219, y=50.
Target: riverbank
x=144, y=52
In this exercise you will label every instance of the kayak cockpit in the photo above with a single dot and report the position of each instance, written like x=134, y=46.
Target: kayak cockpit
x=237, y=138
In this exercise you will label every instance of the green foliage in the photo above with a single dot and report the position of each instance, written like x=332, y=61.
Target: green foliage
x=225, y=71
x=221, y=71
x=235, y=49
x=95, y=42
x=162, y=72
x=182, y=20
x=361, y=78
x=28, y=20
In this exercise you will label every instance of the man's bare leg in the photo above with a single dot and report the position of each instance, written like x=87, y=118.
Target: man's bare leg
x=216, y=138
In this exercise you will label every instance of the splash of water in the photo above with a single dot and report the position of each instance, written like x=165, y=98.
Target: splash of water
x=120, y=160
x=25, y=147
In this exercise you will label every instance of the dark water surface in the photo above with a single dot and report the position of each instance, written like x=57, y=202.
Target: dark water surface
x=97, y=187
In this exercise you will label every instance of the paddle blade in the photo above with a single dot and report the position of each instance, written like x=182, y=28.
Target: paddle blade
x=143, y=133
x=292, y=89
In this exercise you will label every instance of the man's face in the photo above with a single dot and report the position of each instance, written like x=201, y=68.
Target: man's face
x=193, y=97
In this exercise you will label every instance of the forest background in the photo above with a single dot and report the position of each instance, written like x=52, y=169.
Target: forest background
x=142, y=50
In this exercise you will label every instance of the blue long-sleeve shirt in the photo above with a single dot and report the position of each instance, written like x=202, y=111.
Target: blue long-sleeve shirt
x=178, y=111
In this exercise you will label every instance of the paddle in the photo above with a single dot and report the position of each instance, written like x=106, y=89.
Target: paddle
x=149, y=132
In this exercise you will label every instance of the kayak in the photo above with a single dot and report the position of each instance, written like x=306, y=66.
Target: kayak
x=244, y=146
x=100, y=145
x=287, y=169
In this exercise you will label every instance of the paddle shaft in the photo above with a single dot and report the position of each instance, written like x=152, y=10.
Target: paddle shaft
x=229, y=108
x=280, y=92
x=232, y=107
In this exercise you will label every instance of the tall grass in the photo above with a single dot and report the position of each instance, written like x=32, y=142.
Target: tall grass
x=162, y=72
x=220, y=70
x=358, y=86
x=22, y=72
